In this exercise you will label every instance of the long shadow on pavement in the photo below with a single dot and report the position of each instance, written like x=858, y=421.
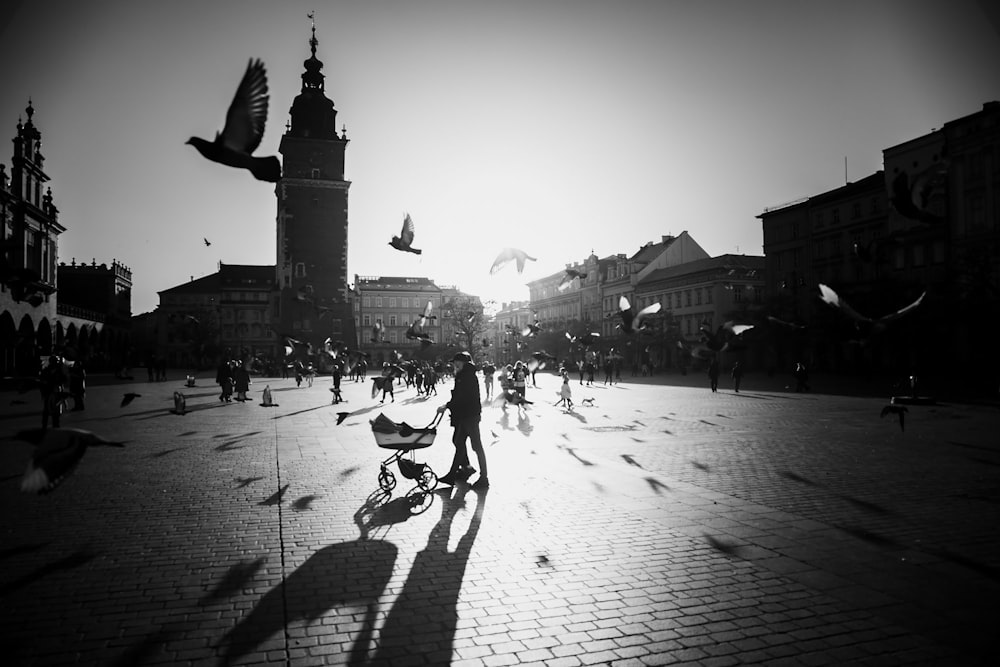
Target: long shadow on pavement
x=432, y=617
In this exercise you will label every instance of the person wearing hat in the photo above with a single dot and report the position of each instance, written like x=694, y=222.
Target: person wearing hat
x=465, y=409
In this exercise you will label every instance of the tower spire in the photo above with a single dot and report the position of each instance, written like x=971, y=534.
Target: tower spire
x=313, y=42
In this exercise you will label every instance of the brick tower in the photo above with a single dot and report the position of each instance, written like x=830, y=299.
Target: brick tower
x=311, y=267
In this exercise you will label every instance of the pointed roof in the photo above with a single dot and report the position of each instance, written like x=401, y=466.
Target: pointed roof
x=312, y=112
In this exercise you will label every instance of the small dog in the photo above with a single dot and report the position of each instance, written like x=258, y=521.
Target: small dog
x=588, y=401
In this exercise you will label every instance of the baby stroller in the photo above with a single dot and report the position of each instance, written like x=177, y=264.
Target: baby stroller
x=403, y=438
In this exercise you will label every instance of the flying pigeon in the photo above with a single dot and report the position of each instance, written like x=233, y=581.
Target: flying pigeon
x=902, y=195
x=585, y=339
x=378, y=332
x=129, y=397
x=631, y=320
x=413, y=334
x=341, y=416
x=831, y=297
x=899, y=410
x=405, y=238
x=57, y=453
x=426, y=315
x=507, y=255
x=207, y=242
x=244, y=128
x=532, y=329
x=568, y=278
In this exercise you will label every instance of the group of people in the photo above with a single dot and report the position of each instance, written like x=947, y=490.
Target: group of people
x=233, y=376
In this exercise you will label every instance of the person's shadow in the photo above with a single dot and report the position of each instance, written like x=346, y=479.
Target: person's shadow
x=428, y=604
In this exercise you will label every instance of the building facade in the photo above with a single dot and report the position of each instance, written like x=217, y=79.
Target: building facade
x=312, y=217
x=395, y=303
x=43, y=310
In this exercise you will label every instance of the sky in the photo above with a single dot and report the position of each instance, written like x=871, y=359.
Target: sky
x=559, y=127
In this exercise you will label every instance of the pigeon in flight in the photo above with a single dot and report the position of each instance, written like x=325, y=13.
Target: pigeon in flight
x=378, y=332
x=902, y=198
x=426, y=315
x=57, y=453
x=405, y=239
x=508, y=255
x=585, y=339
x=878, y=324
x=631, y=320
x=129, y=397
x=413, y=334
x=207, y=242
x=531, y=330
x=244, y=128
x=567, y=279
x=899, y=410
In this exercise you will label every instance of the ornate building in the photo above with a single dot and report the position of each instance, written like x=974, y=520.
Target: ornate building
x=35, y=319
x=311, y=269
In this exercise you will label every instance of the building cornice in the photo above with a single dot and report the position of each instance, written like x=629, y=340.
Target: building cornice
x=319, y=183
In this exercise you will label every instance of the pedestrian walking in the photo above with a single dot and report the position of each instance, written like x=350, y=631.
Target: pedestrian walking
x=224, y=378
x=801, y=377
x=520, y=379
x=466, y=410
x=241, y=381
x=488, y=371
x=713, y=374
x=737, y=376
x=387, y=381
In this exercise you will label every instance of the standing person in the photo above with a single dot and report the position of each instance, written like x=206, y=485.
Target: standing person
x=566, y=393
x=488, y=371
x=737, y=376
x=713, y=374
x=801, y=377
x=388, y=379
x=520, y=379
x=241, y=381
x=590, y=373
x=223, y=378
x=608, y=371
x=337, y=374
x=580, y=367
x=78, y=384
x=465, y=414
x=51, y=380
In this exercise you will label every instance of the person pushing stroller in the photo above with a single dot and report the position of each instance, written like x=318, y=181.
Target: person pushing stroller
x=465, y=409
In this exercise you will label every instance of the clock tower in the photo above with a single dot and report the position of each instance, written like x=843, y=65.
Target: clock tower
x=311, y=267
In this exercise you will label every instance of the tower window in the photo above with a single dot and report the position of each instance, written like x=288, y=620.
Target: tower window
x=300, y=270
x=315, y=174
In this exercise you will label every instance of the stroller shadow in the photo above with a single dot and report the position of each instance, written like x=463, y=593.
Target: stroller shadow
x=351, y=574
x=435, y=567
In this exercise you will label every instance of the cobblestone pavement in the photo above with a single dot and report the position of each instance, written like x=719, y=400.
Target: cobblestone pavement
x=659, y=525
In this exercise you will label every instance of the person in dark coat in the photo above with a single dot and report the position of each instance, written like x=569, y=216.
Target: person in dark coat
x=713, y=374
x=466, y=410
x=51, y=382
x=241, y=381
x=737, y=376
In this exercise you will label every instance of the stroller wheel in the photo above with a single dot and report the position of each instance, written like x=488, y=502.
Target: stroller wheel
x=419, y=500
x=386, y=480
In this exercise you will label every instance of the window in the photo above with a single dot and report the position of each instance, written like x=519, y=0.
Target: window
x=392, y=302
x=875, y=205
x=315, y=173
x=708, y=295
x=378, y=302
x=405, y=303
x=697, y=297
x=687, y=298
x=836, y=215
x=392, y=320
x=856, y=210
x=300, y=270
x=366, y=301
x=737, y=293
x=366, y=320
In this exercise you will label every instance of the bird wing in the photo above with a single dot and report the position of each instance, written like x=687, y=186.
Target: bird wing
x=521, y=257
x=247, y=114
x=566, y=281
x=903, y=311
x=504, y=258
x=623, y=304
x=831, y=297
x=406, y=235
